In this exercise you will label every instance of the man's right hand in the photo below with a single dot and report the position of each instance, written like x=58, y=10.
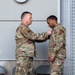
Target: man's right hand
x=51, y=58
x=49, y=32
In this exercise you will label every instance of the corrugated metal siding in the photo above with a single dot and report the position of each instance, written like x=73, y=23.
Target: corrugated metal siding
x=65, y=17
x=73, y=36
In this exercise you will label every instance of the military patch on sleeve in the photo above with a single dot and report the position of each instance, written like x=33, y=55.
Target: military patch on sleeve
x=61, y=32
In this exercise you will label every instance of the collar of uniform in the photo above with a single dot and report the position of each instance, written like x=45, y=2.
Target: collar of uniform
x=22, y=25
x=56, y=26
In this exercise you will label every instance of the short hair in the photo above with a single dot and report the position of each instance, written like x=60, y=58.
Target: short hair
x=24, y=13
x=53, y=17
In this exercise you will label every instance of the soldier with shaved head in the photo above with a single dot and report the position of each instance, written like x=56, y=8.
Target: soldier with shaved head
x=25, y=44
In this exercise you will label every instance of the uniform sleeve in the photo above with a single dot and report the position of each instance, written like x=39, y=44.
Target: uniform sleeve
x=26, y=32
x=59, y=40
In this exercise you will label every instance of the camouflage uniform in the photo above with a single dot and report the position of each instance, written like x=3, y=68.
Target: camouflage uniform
x=57, y=49
x=25, y=44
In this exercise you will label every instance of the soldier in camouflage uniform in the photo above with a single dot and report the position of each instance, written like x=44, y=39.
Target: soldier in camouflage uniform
x=25, y=45
x=57, y=51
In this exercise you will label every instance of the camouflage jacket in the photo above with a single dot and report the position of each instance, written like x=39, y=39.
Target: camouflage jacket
x=25, y=40
x=57, y=42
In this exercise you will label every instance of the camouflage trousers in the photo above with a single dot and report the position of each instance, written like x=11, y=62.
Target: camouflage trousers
x=56, y=67
x=24, y=65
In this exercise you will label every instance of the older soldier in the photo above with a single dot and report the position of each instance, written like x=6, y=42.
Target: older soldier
x=57, y=51
x=25, y=45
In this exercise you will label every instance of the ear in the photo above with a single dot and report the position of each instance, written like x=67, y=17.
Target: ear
x=53, y=21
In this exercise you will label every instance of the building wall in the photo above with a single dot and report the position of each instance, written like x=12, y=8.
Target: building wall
x=10, y=64
x=10, y=12
x=10, y=20
x=66, y=22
